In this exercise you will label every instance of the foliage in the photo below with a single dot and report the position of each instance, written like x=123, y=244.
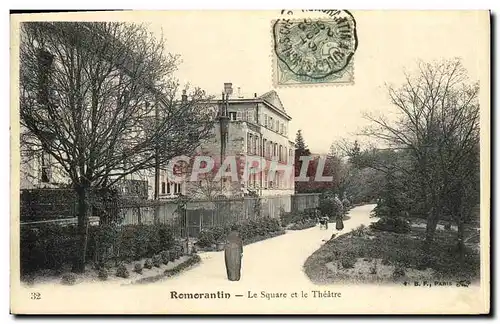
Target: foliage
x=248, y=229
x=403, y=249
x=102, y=273
x=157, y=260
x=52, y=246
x=392, y=224
x=303, y=225
x=194, y=259
x=122, y=272
x=165, y=257
x=46, y=247
x=148, y=264
x=438, y=128
x=399, y=271
x=206, y=238
x=138, y=268
x=298, y=217
x=68, y=279
x=373, y=268
x=360, y=231
x=348, y=261
x=330, y=205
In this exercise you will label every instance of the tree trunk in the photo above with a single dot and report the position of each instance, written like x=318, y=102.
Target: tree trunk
x=83, y=221
x=460, y=239
x=430, y=229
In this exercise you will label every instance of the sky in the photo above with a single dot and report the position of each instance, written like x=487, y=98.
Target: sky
x=229, y=46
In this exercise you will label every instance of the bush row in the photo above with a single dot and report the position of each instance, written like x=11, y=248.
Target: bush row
x=298, y=217
x=248, y=230
x=392, y=224
x=53, y=246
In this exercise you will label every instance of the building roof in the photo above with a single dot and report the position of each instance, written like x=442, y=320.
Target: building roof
x=270, y=99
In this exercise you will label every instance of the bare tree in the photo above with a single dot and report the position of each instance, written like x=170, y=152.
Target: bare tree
x=438, y=125
x=100, y=99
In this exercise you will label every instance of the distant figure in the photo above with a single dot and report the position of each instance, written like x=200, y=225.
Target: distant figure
x=339, y=223
x=323, y=222
x=233, y=253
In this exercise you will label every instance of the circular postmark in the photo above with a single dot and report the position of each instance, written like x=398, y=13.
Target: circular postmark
x=316, y=48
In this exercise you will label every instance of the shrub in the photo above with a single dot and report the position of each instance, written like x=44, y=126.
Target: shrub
x=373, y=268
x=68, y=279
x=138, y=268
x=171, y=255
x=52, y=246
x=392, y=224
x=219, y=234
x=206, y=238
x=122, y=271
x=157, y=260
x=346, y=203
x=360, y=231
x=165, y=257
x=102, y=273
x=49, y=246
x=148, y=264
x=330, y=205
x=399, y=271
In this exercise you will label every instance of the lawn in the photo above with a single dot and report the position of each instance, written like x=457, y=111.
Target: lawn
x=367, y=255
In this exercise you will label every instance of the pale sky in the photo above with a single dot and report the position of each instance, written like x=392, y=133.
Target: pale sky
x=218, y=47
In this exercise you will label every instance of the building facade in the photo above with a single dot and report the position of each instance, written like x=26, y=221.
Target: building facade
x=257, y=131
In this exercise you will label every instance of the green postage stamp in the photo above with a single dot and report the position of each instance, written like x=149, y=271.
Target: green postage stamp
x=315, y=50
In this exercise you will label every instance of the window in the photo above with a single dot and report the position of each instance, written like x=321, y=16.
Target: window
x=232, y=115
x=168, y=188
x=285, y=157
x=177, y=188
x=265, y=179
x=250, y=116
x=277, y=179
x=275, y=151
x=254, y=145
x=265, y=120
x=163, y=187
x=280, y=153
x=238, y=115
x=271, y=123
x=249, y=143
x=263, y=149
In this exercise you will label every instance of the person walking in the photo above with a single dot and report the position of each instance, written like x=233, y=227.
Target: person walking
x=233, y=252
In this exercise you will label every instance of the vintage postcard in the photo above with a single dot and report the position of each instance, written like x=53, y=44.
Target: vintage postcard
x=250, y=162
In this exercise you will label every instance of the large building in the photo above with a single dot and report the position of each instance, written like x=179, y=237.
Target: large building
x=257, y=128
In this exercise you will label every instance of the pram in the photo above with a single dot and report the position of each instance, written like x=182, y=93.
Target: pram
x=323, y=222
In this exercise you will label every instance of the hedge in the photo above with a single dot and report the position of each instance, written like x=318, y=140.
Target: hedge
x=248, y=230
